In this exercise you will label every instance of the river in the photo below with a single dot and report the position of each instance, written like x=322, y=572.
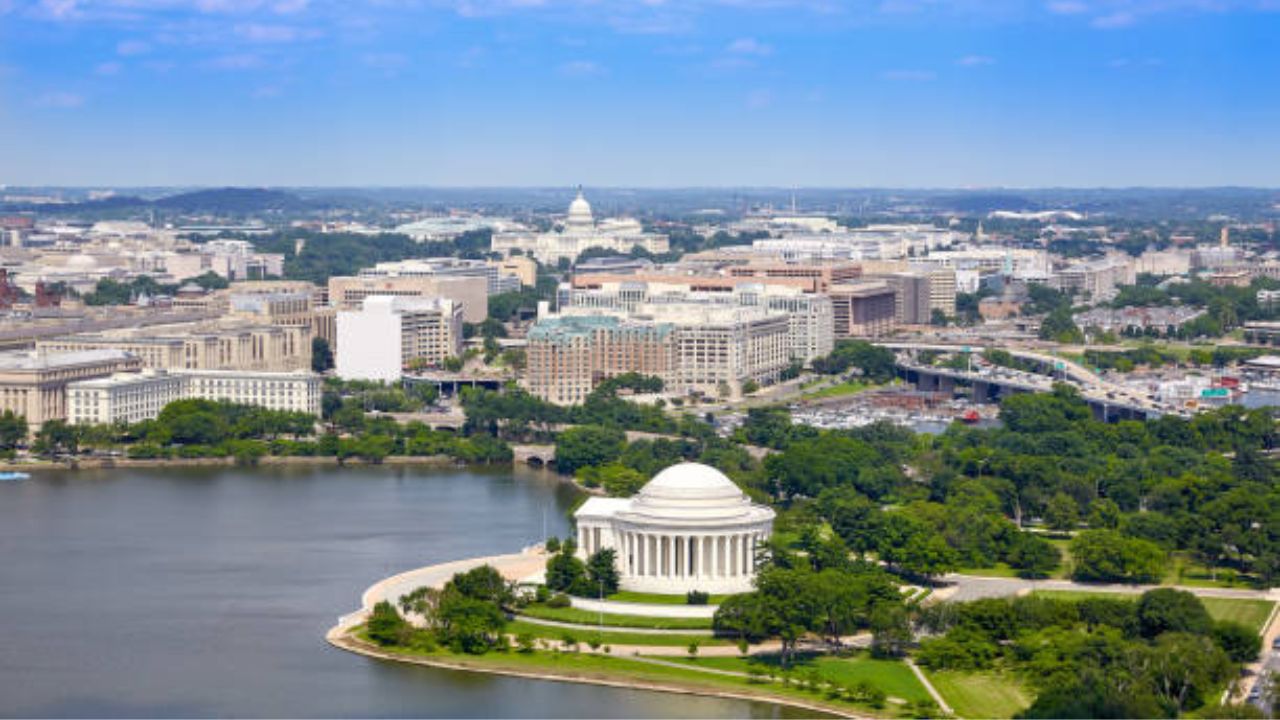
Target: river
x=207, y=591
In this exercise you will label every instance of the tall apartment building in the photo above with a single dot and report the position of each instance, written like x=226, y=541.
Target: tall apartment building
x=719, y=348
x=387, y=333
x=134, y=397
x=694, y=348
x=810, y=324
x=34, y=383
x=347, y=293
x=269, y=348
x=863, y=309
x=568, y=355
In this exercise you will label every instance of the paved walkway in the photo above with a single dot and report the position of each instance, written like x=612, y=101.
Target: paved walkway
x=613, y=628
x=937, y=696
x=649, y=609
x=973, y=587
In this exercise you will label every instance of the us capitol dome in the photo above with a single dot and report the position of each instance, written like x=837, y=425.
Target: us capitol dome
x=689, y=528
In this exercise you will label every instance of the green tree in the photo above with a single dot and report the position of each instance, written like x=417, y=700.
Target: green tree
x=588, y=445
x=321, y=355
x=602, y=571
x=1062, y=513
x=1108, y=556
x=565, y=573
x=13, y=430
x=385, y=625
x=1167, y=610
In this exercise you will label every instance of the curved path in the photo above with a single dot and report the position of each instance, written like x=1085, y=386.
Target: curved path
x=614, y=628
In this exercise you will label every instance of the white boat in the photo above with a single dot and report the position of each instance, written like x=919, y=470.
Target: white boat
x=15, y=476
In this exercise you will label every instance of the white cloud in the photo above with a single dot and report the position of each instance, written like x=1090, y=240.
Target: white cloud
x=975, y=60
x=1114, y=20
x=60, y=100
x=59, y=9
x=749, y=46
x=234, y=61
x=1067, y=7
x=289, y=7
x=582, y=68
x=260, y=33
x=909, y=75
x=132, y=47
x=108, y=68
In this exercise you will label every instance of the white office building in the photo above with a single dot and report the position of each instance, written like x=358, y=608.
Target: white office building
x=389, y=333
x=134, y=397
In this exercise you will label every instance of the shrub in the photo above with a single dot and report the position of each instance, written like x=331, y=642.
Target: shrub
x=697, y=597
x=559, y=600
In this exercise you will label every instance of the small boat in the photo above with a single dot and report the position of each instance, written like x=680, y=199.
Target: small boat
x=970, y=418
x=4, y=476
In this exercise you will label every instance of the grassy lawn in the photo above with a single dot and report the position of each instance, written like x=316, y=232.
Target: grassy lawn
x=656, y=598
x=1250, y=613
x=607, y=637
x=894, y=677
x=849, y=387
x=981, y=695
x=586, y=617
x=1185, y=571
x=590, y=665
x=1001, y=570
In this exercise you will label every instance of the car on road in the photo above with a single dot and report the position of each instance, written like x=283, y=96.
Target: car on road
x=1275, y=643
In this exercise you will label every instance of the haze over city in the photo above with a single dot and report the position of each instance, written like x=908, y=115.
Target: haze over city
x=893, y=93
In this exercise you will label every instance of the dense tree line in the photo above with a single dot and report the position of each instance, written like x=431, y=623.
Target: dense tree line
x=1159, y=656
x=113, y=292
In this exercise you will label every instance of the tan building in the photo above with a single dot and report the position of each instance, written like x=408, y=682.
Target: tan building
x=863, y=309
x=694, y=348
x=34, y=383
x=821, y=275
x=288, y=303
x=347, y=293
x=524, y=268
x=567, y=356
x=271, y=348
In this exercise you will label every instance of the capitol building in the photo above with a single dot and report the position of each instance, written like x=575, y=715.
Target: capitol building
x=580, y=232
x=689, y=528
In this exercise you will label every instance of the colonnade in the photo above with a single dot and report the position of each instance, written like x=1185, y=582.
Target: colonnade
x=664, y=555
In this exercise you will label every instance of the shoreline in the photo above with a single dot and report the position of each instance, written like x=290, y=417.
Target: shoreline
x=108, y=463
x=340, y=637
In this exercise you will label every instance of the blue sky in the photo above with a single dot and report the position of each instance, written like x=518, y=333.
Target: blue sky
x=906, y=93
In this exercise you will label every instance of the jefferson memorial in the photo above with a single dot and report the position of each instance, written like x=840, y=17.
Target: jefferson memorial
x=689, y=528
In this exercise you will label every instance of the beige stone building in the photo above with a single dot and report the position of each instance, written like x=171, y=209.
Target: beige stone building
x=524, y=268
x=863, y=309
x=270, y=348
x=34, y=383
x=347, y=293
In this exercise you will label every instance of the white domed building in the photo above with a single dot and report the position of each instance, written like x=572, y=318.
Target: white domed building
x=578, y=233
x=689, y=528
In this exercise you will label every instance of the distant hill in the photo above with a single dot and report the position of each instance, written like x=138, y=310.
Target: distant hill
x=231, y=201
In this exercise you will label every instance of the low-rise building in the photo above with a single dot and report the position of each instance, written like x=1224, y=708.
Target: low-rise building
x=389, y=333
x=34, y=383
x=138, y=396
x=496, y=281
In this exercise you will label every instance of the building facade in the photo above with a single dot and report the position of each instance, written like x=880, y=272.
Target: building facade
x=388, y=334
x=863, y=309
x=472, y=293
x=265, y=348
x=34, y=383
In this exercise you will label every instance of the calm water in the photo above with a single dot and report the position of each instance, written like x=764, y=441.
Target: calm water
x=207, y=592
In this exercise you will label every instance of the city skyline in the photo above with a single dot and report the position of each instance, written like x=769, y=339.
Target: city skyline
x=948, y=93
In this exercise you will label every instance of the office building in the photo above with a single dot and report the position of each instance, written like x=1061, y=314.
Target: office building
x=472, y=293
x=388, y=334
x=34, y=383
x=863, y=309
x=267, y=348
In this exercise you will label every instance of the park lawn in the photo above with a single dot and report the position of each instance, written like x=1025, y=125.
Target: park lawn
x=657, y=598
x=999, y=570
x=1186, y=571
x=587, y=617
x=849, y=387
x=1250, y=613
x=894, y=677
x=981, y=695
x=608, y=667
x=608, y=637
